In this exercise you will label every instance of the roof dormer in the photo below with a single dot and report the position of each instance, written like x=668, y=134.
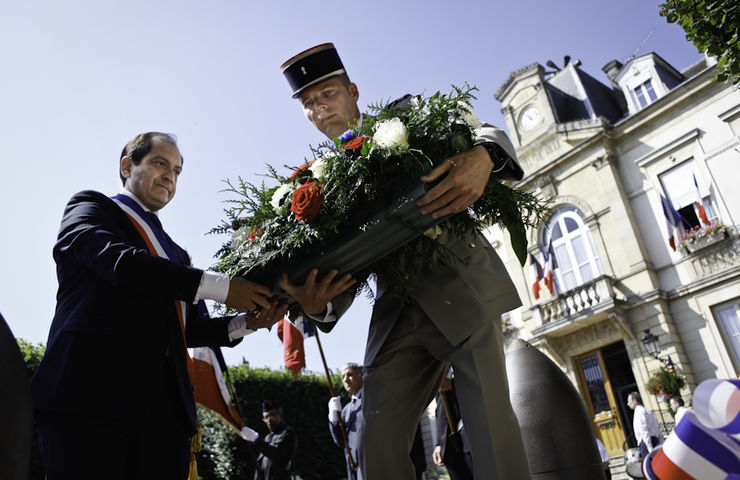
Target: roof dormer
x=645, y=79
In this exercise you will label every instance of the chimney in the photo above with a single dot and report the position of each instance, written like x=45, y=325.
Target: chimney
x=612, y=69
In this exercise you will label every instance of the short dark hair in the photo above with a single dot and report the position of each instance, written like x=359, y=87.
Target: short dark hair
x=678, y=400
x=635, y=396
x=137, y=148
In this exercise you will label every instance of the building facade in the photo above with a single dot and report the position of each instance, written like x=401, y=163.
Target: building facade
x=610, y=158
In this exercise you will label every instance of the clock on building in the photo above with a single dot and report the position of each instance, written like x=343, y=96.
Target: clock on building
x=530, y=118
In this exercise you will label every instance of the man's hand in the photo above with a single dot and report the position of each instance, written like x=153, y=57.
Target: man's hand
x=312, y=295
x=244, y=295
x=437, y=456
x=335, y=409
x=267, y=317
x=467, y=176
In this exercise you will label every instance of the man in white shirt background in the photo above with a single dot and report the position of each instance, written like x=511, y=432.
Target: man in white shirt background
x=644, y=424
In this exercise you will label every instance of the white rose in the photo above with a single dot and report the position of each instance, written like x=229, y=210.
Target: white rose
x=277, y=197
x=318, y=168
x=466, y=113
x=239, y=237
x=391, y=134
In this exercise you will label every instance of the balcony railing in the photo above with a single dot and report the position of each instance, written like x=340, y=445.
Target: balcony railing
x=585, y=300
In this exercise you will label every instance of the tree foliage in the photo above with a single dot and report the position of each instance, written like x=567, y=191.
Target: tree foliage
x=304, y=398
x=712, y=25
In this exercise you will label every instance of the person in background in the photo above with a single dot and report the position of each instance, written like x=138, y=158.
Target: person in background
x=452, y=449
x=679, y=410
x=644, y=424
x=605, y=459
x=351, y=415
x=277, y=448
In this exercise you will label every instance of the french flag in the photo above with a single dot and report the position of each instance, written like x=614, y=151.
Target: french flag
x=699, y=204
x=547, y=273
x=673, y=221
x=209, y=387
x=535, y=273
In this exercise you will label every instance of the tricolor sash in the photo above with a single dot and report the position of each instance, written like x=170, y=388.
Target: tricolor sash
x=703, y=446
x=157, y=243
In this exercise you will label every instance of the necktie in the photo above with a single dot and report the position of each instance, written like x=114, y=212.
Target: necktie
x=153, y=216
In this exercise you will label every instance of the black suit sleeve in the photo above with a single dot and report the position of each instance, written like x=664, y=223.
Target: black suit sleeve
x=94, y=234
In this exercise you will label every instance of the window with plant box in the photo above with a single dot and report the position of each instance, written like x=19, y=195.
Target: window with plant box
x=680, y=190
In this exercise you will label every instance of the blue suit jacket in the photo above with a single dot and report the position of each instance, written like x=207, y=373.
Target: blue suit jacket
x=115, y=323
x=353, y=423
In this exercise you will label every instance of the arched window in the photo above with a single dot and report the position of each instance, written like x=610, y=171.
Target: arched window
x=576, y=262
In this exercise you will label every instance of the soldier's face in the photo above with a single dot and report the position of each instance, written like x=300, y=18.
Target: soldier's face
x=331, y=106
x=272, y=419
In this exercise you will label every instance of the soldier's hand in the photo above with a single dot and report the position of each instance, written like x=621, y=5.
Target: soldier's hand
x=467, y=176
x=314, y=296
x=335, y=409
x=437, y=456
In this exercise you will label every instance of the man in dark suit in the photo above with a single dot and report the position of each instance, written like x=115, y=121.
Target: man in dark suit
x=351, y=415
x=113, y=394
x=452, y=449
x=454, y=312
x=276, y=450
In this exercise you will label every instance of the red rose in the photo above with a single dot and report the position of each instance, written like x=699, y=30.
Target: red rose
x=307, y=200
x=355, y=143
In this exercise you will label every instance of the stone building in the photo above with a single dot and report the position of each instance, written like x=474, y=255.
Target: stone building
x=605, y=155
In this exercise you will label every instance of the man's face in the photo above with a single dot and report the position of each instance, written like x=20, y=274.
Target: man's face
x=154, y=179
x=331, y=106
x=674, y=405
x=631, y=402
x=352, y=380
x=272, y=419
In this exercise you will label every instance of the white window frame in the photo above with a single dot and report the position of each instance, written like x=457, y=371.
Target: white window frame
x=566, y=241
x=723, y=316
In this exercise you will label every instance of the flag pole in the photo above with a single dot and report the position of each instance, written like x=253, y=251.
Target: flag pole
x=331, y=391
x=235, y=401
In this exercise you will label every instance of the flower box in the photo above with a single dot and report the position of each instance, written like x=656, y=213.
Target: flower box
x=698, y=238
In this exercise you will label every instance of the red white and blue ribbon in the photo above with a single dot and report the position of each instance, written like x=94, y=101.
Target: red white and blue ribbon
x=156, y=241
x=705, y=445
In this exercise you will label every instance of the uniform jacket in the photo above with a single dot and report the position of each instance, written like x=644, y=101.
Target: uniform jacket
x=460, y=296
x=276, y=452
x=115, y=323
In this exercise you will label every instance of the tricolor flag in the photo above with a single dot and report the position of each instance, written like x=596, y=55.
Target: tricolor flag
x=535, y=273
x=210, y=389
x=703, y=446
x=292, y=334
x=673, y=221
x=699, y=204
x=547, y=268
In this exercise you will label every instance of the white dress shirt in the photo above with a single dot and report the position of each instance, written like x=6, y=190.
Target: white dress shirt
x=645, y=426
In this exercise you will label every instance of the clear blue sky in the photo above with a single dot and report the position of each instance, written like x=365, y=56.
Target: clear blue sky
x=79, y=79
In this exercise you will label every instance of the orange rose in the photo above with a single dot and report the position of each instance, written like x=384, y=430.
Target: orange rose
x=307, y=200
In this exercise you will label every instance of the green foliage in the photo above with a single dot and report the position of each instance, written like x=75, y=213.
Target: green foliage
x=712, y=25
x=304, y=398
x=32, y=354
x=666, y=382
